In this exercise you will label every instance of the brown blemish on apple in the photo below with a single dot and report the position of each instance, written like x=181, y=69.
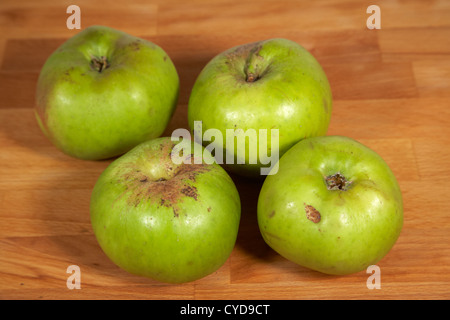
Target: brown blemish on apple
x=337, y=182
x=68, y=71
x=136, y=45
x=140, y=188
x=168, y=193
x=272, y=214
x=175, y=212
x=312, y=213
x=190, y=191
x=245, y=50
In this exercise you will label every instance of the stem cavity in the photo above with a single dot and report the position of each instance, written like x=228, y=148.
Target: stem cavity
x=253, y=67
x=337, y=182
x=99, y=64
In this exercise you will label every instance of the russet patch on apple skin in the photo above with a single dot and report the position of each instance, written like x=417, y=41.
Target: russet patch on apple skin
x=312, y=213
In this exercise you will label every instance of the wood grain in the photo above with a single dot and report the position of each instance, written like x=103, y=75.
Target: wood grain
x=391, y=91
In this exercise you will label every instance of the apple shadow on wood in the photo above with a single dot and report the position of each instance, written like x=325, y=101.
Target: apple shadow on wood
x=249, y=237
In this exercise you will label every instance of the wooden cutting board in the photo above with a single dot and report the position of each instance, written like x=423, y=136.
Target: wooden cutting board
x=391, y=91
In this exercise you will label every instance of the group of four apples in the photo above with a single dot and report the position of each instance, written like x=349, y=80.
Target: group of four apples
x=333, y=204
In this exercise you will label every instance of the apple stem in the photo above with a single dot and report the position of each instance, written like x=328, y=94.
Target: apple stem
x=253, y=66
x=99, y=64
x=251, y=77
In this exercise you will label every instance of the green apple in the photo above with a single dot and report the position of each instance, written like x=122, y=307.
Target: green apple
x=170, y=222
x=103, y=91
x=271, y=84
x=334, y=206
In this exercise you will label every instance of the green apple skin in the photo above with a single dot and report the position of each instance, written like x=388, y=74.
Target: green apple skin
x=94, y=111
x=358, y=224
x=172, y=223
x=289, y=92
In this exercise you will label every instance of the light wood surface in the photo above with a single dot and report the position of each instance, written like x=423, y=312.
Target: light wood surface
x=391, y=92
